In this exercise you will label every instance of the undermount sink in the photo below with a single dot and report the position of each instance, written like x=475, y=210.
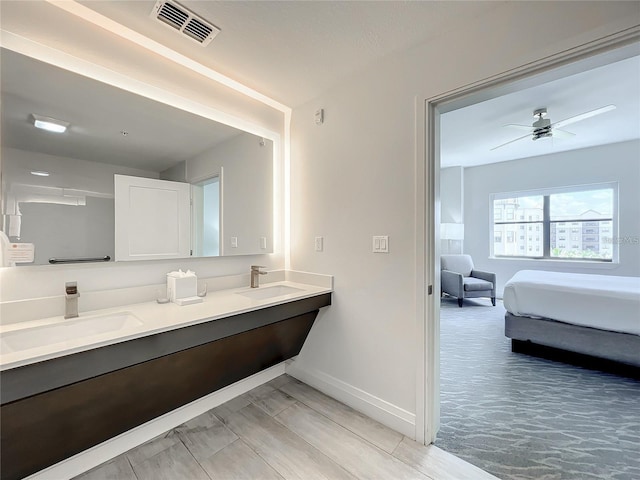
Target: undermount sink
x=262, y=293
x=64, y=331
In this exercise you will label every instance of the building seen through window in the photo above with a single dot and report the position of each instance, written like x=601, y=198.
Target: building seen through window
x=568, y=224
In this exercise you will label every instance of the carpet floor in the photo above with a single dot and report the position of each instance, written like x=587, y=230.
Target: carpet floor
x=521, y=417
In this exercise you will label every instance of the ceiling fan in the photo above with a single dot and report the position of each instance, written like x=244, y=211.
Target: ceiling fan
x=543, y=128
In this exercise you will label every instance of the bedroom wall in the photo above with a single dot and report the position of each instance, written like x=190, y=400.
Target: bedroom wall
x=452, y=204
x=615, y=162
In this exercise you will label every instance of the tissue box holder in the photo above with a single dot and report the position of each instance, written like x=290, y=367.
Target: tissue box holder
x=183, y=290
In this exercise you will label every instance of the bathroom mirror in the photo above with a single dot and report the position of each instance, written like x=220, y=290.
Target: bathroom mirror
x=58, y=188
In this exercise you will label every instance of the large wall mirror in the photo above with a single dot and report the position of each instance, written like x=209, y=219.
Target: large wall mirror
x=128, y=179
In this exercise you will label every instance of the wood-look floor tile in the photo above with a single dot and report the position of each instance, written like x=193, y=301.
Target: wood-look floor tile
x=259, y=391
x=347, y=449
x=205, y=435
x=280, y=381
x=174, y=463
x=437, y=463
x=376, y=433
x=238, y=462
x=231, y=407
x=152, y=447
x=286, y=452
x=116, y=469
x=273, y=402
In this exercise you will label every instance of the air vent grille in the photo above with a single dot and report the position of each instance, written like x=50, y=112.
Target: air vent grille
x=197, y=30
x=176, y=16
x=172, y=16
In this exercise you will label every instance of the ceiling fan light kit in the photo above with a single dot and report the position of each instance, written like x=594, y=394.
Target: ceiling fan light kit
x=543, y=128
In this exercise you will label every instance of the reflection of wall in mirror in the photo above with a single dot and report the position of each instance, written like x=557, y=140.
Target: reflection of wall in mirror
x=68, y=214
x=247, y=190
x=205, y=216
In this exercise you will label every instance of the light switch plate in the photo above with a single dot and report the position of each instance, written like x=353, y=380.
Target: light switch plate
x=380, y=244
x=234, y=242
x=319, y=245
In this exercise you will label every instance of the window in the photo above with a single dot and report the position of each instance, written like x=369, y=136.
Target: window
x=497, y=237
x=585, y=215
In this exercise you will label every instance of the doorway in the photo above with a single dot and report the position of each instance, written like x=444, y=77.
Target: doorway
x=428, y=135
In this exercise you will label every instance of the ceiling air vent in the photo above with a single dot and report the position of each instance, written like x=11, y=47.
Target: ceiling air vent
x=176, y=16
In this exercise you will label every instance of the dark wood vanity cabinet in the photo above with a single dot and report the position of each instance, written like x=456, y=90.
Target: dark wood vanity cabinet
x=54, y=409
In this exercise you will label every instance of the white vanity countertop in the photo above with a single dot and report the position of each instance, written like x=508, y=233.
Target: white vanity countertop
x=155, y=318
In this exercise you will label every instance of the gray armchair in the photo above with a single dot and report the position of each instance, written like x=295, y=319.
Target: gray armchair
x=459, y=279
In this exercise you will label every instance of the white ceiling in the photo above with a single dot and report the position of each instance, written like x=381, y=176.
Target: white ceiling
x=292, y=51
x=469, y=134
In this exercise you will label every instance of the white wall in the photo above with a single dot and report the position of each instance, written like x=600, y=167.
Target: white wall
x=246, y=163
x=48, y=33
x=62, y=230
x=177, y=173
x=452, y=204
x=452, y=195
x=618, y=162
x=354, y=177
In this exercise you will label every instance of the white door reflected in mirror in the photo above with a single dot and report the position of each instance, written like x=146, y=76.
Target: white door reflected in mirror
x=152, y=218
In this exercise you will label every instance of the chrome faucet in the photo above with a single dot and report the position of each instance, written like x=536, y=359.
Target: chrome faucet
x=255, y=275
x=71, y=300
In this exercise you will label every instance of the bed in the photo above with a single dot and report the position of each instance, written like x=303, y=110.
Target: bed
x=594, y=315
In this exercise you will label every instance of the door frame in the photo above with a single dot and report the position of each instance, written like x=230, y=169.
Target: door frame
x=427, y=274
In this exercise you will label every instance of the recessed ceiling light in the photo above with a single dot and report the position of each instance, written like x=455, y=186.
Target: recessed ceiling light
x=39, y=173
x=49, y=124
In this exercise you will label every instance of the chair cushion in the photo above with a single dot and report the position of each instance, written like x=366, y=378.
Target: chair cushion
x=475, y=284
x=462, y=264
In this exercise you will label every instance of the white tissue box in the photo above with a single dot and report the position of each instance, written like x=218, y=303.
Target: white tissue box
x=181, y=287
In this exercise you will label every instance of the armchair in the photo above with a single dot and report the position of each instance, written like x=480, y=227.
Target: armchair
x=459, y=279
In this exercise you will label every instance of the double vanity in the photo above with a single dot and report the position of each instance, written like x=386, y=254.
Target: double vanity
x=68, y=385
x=195, y=183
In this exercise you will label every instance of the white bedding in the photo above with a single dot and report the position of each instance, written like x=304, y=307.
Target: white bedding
x=598, y=301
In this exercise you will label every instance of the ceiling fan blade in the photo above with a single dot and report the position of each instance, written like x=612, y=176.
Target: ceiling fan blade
x=583, y=116
x=511, y=141
x=557, y=133
x=528, y=128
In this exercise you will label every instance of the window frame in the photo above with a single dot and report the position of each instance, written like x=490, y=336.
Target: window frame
x=546, y=222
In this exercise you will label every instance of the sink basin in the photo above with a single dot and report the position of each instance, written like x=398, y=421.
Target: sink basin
x=262, y=293
x=64, y=331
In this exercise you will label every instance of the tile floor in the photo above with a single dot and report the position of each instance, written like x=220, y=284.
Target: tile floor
x=284, y=429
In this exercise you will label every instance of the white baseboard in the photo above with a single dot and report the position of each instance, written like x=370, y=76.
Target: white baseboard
x=380, y=410
x=115, y=446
